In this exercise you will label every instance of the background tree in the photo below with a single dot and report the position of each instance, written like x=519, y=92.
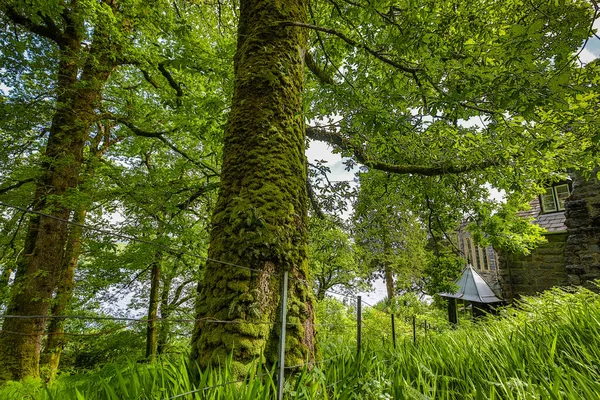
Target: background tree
x=390, y=234
x=332, y=259
x=95, y=76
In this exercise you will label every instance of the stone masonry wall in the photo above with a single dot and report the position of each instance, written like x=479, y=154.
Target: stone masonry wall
x=541, y=270
x=582, y=251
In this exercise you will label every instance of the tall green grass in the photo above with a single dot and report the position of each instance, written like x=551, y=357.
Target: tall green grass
x=546, y=348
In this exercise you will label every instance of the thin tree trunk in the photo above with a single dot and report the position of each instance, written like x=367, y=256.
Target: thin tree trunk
x=388, y=270
x=56, y=338
x=151, y=329
x=39, y=267
x=260, y=220
x=165, y=313
x=389, y=282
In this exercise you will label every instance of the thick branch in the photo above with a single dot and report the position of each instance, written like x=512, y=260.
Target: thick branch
x=140, y=132
x=49, y=31
x=321, y=74
x=335, y=139
x=354, y=43
x=149, y=79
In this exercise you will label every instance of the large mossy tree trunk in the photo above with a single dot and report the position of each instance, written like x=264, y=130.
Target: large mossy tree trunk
x=52, y=351
x=260, y=220
x=78, y=92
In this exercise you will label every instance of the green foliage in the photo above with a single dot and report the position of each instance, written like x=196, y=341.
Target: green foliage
x=505, y=230
x=332, y=259
x=443, y=267
x=388, y=232
x=491, y=88
x=337, y=325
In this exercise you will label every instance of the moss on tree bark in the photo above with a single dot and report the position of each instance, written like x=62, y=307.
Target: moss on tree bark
x=260, y=220
x=78, y=92
x=50, y=358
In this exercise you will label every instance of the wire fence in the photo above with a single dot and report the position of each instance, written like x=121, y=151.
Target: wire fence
x=132, y=322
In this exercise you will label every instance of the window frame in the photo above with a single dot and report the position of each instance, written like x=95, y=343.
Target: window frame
x=555, y=199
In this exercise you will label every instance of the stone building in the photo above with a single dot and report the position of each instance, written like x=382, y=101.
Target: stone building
x=545, y=267
x=582, y=250
x=570, y=212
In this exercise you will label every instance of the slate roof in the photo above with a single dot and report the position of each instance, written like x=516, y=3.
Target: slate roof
x=552, y=222
x=472, y=287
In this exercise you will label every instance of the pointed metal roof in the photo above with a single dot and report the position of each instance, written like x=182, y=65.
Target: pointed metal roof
x=472, y=287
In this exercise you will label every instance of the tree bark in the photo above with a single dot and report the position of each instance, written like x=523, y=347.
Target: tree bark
x=388, y=270
x=389, y=282
x=165, y=313
x=169, y=302
x=260, y=220
x=56, y=338
x=152, y=326
x=39, y=267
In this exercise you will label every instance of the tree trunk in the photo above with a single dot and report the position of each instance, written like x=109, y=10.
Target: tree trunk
x=388, y=270
x=389, y=282
x=165, y=313
x=56, y=328
x=260, y=220
x=40, y=265
x=152, y=329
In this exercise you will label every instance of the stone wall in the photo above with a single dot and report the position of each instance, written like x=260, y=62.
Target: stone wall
x=541, y=270
x=582, y=251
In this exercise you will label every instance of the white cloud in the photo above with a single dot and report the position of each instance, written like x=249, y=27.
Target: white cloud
x=587, y=56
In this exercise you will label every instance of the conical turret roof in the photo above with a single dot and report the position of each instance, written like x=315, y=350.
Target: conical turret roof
x=472, y=287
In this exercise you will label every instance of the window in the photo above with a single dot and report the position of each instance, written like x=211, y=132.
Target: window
x=562, y=192
x=477, y=257
x=469, y=250
x=554, y=198
x=486, y=263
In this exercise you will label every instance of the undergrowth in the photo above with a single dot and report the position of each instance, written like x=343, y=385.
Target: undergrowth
x=546, y=347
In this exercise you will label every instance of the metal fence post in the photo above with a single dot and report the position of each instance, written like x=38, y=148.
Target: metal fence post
x=283, y=316
x=394, y=331
x=358, y=324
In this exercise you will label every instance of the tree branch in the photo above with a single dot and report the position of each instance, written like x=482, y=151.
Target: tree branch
x=172, y=82
x=15, y=185
x=354, y=43
x=140, y=132
x=320, y=73
x=149, y=79
x=177, y=294
x=335, y=139
x=49, y=31
x=199, y=192
x=160, y=136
